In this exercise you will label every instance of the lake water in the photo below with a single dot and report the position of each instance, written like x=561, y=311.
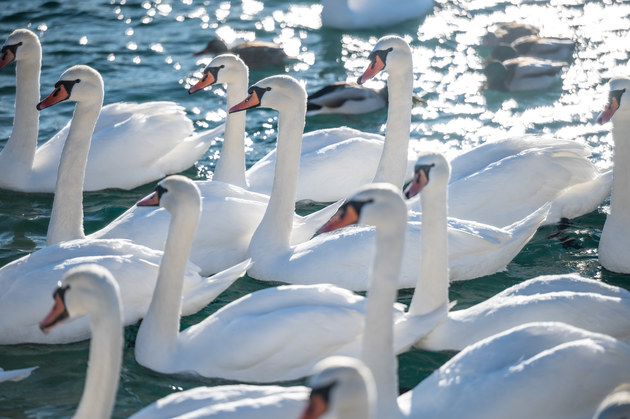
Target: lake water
x=144, y=50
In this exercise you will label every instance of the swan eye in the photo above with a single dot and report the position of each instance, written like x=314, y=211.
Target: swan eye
x=323, y=391
x=61, y=291
x=9, y=48
x=160, y=190
x=615, y=95
x=358, y=205
x=424, y=168
x=67, y=85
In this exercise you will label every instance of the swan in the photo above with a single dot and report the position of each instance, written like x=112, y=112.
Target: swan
x=522, y=74
x=329, y=167
x=366, y=14
x=160, y=132
x=222, y=345
x=507, y=32
x=255, y=54
x=570, y=298
x=27, y=281
x=614, y=243
x=341, y=388
x=340, y=256
x=545, y=48
x=482, y=183
x=346, y=98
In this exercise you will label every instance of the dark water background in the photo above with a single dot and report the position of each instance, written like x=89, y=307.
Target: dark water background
x=144, y=50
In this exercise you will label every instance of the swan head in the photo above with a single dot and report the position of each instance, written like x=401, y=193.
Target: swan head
x=85, y=289
x=378, y=204
x=341, y=387
x=431, y=171
x=79, y=83
x=281, y=93
x=21, y=45
x=175, y=193
x=389, y=53
x=224, y=69
x=618, y=99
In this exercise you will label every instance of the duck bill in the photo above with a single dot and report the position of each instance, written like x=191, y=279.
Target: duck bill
x=56, y=315
x=58, y=95
x=202, y=52
x=345, y=216
x=152, y=200
x=207, y=80
x=373, y=69
x=608, y=113
x=6, y=58
x=251, y=101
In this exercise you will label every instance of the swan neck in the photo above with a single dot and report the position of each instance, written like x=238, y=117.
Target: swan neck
x=378, y=350
x=620, y=198
x=66, y=218
x=277, y=223
x=431, y=290
x=393, y=163
x=101, y=383
x=157, y=336
x=231, y=165
x=19, y=152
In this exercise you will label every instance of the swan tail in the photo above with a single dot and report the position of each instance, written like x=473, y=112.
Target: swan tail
x=203, y=293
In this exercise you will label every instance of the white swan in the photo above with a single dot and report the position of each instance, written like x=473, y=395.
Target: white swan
x=366, y=14
x=26, y=282
x=614, y=243
x=339, y=257
x=341, y=388
x=90, y=292
x=483, y=181
x=253, y=338
x=567, y=298
x=334, y=162
x=160, y=132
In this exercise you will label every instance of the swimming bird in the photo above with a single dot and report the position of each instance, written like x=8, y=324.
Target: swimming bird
x=346, y=98
x=522, y=74
x=507, y=32
x=544, y=48
x=353, y=14
x=255, y=54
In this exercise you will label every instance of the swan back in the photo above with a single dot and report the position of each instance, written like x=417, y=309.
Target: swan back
x=343, y=388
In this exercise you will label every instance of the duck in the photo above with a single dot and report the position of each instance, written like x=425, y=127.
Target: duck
x=354, y=15
x=346, y=98
x=565, y=175
x=340, y=256
x=568, y=298
x=29, y=280
x=256, y=54
x=545, y=48
x=269, y=319
x=522, y=74
x=159, y=131
x=329, y=168
x=614, y=243
x=507, y=32
x=341, y=387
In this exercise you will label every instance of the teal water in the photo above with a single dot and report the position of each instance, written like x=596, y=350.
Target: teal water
x=144, y=50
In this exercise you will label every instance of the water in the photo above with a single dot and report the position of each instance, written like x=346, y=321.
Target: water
x=144, y=50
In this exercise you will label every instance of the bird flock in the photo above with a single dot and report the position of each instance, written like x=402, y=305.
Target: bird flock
x=391, y=217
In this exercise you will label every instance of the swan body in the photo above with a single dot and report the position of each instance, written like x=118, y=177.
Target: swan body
x=159, y=132
x=508, y=32
x=544, y=48
x=522, y=74
x=366, y=14
x=329, y=167
x=30, y=279
x=614, y=242
x=346, y=98
x=571, y=299
x=483, y=178
x=329, y=320
x=533, y=370
x=255, y=54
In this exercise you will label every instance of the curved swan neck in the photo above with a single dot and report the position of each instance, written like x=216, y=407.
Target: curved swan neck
x=157, y=336
x=431, y=290
x=101, y=383
x=231, y=165
x=18, y=154
x=620, y=198
x=275, y=227
x=393, y=163
x=66, y=218
x=378, y=349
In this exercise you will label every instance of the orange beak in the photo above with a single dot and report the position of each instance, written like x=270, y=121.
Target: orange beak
x=317, y=406
x=609, y=111
x=250, y=101
x=6, y=58
x=152, y=200
x=417, y=184
x=58, y=95
x=373, y=69
x=207, y=80
x=345, y=216
x=57, y=314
